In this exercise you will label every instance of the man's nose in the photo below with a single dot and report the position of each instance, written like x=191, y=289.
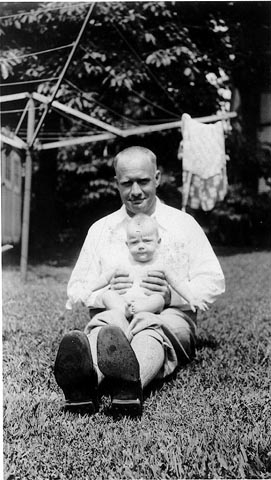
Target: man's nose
x=135, y=189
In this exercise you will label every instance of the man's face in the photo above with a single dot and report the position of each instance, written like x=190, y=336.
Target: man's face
x=137, y=180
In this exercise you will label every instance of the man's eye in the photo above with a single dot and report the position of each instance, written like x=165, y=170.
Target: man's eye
x=143, y=182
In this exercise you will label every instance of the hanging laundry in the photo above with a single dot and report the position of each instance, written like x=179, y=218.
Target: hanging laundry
x=204, y=164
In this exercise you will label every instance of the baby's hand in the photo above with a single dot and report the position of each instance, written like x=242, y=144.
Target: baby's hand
x=196, y=303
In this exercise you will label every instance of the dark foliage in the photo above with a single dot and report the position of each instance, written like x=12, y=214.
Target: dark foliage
x=138, y=63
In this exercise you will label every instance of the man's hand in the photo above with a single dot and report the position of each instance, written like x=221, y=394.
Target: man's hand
x=156, y=282
x=120, y=282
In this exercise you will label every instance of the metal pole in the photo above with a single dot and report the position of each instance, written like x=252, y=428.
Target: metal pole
x=14, y=142
x=14, y=96
x=27, y=191
x=135, y=131
x=76, y=141
x=22, y=118
x=77, y=114
x=167, y=126
x=66, y=66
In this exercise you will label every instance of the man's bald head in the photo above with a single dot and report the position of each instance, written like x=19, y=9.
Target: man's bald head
x=131, y=153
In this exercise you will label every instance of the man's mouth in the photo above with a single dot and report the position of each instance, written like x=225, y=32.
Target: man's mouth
x=137, y=200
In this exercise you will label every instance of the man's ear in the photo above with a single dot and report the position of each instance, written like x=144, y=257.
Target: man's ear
x=116, y=182
x=157, y=178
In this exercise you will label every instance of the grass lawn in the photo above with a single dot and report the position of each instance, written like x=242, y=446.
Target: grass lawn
x=212, y=421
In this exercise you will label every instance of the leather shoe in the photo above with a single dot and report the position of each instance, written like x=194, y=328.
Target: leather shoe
x=117, y=361
x=75, y=373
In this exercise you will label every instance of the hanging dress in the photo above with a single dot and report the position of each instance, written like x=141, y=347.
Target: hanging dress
x=204, y=164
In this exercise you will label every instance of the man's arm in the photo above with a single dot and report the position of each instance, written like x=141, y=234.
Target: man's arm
x=205, y=277
x=86, y=271
x=206, y=280
x=183, y=289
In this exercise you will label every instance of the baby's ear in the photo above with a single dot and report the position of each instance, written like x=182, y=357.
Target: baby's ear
x=159, y=240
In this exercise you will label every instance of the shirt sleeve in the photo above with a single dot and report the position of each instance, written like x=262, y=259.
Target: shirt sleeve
x=206, y=280
x=86, y=272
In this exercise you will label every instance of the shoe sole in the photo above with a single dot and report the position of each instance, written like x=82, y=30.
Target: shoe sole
x=75, y=374
x=117, y=360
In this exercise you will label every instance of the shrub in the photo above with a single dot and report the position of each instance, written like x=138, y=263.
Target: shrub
x=243, y=218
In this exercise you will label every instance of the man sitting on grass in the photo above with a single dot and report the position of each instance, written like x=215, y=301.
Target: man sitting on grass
x=144, y=244
x=158, y=342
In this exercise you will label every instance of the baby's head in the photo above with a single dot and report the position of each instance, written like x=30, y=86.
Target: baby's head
x=142, y=237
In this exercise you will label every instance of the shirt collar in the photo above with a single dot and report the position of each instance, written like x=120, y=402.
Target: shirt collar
x=159, y=215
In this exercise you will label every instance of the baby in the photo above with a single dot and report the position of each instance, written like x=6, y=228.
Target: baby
x=143, y=242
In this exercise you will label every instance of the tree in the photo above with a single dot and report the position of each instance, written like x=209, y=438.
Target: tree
x=138, y=62
x=162, y=50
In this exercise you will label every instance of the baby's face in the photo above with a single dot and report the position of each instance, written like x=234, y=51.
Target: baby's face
x=142, y=242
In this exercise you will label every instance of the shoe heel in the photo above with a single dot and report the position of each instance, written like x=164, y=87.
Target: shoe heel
x=82, y=408
x=132, y=408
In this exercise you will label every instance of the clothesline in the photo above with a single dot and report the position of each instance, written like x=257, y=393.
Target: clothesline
x=145, y=66
x=39, y=80
x=139, y=95
x=131, y=131
x=41, y=52
x=18, y=110
x=112, y=132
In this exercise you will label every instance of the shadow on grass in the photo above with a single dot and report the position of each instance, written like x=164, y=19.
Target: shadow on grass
x=207, y=341
x=108, y=386
x=56, y=257
x=66, y=257
x=228, y=250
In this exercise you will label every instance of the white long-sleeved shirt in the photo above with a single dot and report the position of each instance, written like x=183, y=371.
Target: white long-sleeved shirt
x=105, y=248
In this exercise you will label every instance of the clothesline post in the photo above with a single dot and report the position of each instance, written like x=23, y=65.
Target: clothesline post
x=27, y=190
